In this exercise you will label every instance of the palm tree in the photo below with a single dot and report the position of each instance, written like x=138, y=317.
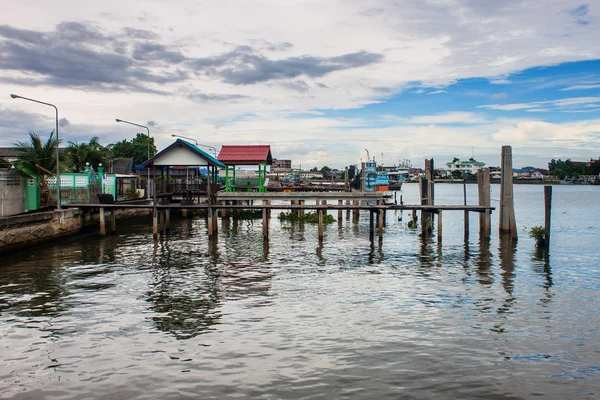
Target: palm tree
x=37, y=160
x=79, y=155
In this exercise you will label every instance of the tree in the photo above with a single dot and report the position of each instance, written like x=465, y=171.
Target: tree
x=37, y=160
x=136, y=148
x=456, y=174
x=325, y=171
x=81, y=154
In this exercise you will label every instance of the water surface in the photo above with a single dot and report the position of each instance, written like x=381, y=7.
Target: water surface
x=125, y=316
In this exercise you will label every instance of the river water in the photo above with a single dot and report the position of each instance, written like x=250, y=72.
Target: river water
x=183, y=317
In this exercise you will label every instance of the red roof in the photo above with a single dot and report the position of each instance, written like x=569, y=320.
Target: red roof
x=246, y=155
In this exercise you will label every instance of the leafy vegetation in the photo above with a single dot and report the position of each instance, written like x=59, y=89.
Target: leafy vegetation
x=562, y=169
x=78, y=155
x=311, y=217
x=137, y=148
x=537, y=232
x=36, y=159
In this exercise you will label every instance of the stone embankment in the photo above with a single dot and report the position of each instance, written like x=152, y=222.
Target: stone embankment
x=19, y=231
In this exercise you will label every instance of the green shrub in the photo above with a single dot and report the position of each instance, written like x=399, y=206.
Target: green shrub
x=311, y=217
x=537, y=232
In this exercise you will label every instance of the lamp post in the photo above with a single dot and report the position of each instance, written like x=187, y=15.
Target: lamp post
x=148, y=129
x=197, y=144
x=16, y=96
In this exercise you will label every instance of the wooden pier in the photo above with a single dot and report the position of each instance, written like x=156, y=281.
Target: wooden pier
x=373, y=202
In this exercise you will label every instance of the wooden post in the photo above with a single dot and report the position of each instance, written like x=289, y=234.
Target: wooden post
x=209, y=221
x=507, y=207
x=483, y=191
x=321, y=230
x=184, y=212
x=424, y=198
x=302, y=203
x=371, y=225
x=167, y=219
x=348, y=211
x=265, y=220
x=466, y=225
x=161, y=220
x=346, y=180
x=102, y=222
x=439, y=226
x=155, y=220
x=355, y=212
x=113, y=221
x=380, y=222
x=340, y=211
x=547, y=214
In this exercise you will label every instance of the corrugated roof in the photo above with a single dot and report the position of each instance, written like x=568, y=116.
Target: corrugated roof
x=246, y=155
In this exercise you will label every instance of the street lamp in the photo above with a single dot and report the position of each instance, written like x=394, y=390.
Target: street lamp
x=148, y=129
x=16, y=96
x=197, y=144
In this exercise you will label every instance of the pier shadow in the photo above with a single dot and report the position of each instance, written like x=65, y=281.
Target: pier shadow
x=541, y=266
x=376, y=254
x=484, y=263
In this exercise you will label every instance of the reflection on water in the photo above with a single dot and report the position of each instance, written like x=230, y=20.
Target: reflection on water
x=295, y=316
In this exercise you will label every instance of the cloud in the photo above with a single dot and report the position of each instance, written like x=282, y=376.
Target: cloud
x=151, y=123
x=445, y=118
x=500, y=96
x=580, y=14
x=582, y=87
x=558, y=105
x=201, y=97
x=243, y=66
x=495, y=81
x=438, y=92
x=63, y=122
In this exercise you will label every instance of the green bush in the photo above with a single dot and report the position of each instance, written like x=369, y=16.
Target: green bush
x=537, y=232
x=311, y=217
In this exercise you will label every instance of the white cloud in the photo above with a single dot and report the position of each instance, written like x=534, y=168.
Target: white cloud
x=500, y=96
x=582, y=87
x=561, y=104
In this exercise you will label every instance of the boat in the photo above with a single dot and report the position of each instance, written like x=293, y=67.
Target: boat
x=399, y=174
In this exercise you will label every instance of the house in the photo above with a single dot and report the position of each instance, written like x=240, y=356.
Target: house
x=470, y=166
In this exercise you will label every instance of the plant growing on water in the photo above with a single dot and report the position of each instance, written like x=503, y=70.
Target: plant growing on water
x=311, y=217
x=412, y=224
x=537, y=232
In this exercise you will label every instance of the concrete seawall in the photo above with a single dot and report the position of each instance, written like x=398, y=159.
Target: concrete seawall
x=26, y=230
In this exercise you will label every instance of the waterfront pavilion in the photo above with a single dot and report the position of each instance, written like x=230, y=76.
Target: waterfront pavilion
x=184, y=154
x=233, y=156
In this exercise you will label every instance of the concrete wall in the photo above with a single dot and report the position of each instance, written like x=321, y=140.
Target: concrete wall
x=12, y=193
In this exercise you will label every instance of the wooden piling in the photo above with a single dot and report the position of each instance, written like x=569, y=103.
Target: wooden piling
x=380, y=214
x=340, y=211
x=439, y=226
x=321, y=230
x=371, y=225
x=209, y=221
x=113, y=221
x=167, y=219
x=507, y=209
x=102, y=222
x=547, y=214
x=302, y=202
x=265, y=220
x=424, y=199
x=355, y=212
x=483, y=192
x=154, y=223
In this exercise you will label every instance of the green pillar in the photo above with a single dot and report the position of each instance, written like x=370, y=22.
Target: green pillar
x=227, y=188
x=234, y=182
x=101, y=177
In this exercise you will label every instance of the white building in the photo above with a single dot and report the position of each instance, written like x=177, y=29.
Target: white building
x=471, y=166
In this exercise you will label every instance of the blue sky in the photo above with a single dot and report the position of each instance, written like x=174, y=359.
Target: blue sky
x=318, y=81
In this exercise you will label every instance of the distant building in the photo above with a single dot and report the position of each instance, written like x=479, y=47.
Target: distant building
x=281, y=166
x=471, y=166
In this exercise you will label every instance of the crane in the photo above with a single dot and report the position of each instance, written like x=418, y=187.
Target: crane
x=368, y=156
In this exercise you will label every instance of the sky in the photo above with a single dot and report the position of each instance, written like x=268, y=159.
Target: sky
x=322, y=82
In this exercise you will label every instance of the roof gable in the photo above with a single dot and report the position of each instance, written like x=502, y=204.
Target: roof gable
x=183, y=153
x=246, y=155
